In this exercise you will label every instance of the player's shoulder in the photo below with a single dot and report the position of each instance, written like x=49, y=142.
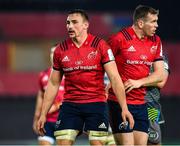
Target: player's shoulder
x=97, y=41
x=122, y=34
x=62, y=45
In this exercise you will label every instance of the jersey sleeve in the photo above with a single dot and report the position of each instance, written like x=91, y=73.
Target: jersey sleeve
x=159, y=52
x=57, y=59
x=114, y=43
x=107, y=54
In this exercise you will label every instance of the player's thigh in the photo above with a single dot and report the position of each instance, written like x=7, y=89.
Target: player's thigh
x=140, y=138
x=124, y=138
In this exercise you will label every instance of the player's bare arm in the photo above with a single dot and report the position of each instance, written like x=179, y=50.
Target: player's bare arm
x=50, y=93
x=152, y=80
x=37, y=112
x=54, y=107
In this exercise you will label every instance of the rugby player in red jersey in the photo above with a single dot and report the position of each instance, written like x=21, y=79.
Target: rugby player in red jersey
x=135, y=49
x=82, y=59
x=48, y=138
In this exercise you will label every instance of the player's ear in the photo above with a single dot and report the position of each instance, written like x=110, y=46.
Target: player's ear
x=140, y=23
x=86, y=24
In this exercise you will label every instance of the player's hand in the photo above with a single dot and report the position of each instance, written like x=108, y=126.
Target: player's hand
x=131, y=84
x=35, y=126
x=40, y=125
x=126, y=116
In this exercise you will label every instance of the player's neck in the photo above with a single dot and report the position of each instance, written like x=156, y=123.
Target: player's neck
x=78, y=41
x=139, y=32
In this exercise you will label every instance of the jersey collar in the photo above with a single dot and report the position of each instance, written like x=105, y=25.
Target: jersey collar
x=86, y=42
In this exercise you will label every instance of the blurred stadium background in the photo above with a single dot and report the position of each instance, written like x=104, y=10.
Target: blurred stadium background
x=28, y=28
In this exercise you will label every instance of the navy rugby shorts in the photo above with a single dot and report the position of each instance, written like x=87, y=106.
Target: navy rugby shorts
x=50, y=128
x=139, y=113
x=83, y=117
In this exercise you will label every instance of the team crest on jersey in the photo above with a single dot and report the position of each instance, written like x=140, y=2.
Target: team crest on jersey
x=153, y=49
x=92, y=55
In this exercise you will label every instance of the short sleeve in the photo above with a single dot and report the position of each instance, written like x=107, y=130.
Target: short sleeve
x=57, y=59
x=107, y=54
x=159, y=52
x=114, y=44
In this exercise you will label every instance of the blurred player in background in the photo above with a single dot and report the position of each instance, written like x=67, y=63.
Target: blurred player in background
x=135, y=49
x=48, y=138
x=82, y=59
x=154, y=107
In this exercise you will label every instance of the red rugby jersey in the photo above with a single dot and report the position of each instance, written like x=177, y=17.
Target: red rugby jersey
x=83, y=69
x=134, y=58
x=43, y=80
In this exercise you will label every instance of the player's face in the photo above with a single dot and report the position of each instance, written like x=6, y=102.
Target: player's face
x=76, y=25
x=150, y=24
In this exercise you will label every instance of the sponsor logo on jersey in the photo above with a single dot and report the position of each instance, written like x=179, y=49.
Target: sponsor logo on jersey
x=81, y=67
x=65, y=59
x=131, y=49
x=139, y=62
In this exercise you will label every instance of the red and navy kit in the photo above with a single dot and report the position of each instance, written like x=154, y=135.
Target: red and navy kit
x=43, y=80
x=134, y=58
x=83, y=69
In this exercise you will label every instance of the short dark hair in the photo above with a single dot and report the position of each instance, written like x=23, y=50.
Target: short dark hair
x=141, y=11
x=80, y=11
